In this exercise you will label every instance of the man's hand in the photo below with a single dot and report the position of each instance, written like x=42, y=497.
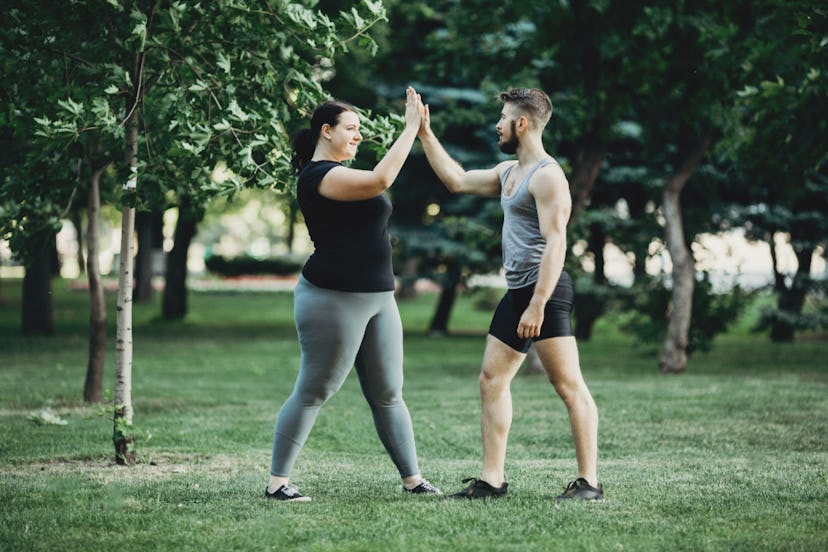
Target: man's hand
x=531, y=320
x=425, y=122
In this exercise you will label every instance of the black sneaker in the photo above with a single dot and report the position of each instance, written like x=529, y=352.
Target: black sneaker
x=480, y=489
x=583, y=490
x=424, y=488
x=287, y=492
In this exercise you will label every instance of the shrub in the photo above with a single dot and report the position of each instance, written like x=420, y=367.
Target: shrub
x=713, y=313
x=250, y=266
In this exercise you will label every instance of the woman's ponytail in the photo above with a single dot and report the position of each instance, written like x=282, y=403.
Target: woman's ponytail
x=303, y=145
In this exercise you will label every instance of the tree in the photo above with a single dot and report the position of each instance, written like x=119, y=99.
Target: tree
x=786, y=85
x=690, y=66
x=228, y=76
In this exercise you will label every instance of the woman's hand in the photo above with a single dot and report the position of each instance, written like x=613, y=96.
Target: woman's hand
x=413, y=108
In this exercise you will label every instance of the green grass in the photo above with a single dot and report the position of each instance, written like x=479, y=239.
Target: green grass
x=732, y=455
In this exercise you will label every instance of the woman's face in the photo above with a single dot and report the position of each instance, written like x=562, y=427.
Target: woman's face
x=344, y=138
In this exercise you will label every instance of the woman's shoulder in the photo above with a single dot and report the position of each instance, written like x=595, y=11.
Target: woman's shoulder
x=320, y=166
x=314, y=172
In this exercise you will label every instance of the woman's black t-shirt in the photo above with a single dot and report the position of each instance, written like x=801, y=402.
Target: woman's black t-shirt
x=352, y=247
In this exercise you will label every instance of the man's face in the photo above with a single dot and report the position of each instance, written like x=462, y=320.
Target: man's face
x=507, y=136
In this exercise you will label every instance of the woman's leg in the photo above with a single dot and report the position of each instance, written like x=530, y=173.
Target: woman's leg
x=379, y=365
x=330, y=325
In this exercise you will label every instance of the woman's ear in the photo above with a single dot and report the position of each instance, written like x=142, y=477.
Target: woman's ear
x=325, y=131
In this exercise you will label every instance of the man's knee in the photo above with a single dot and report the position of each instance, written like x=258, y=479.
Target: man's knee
x=493, y=382
x=573, y=393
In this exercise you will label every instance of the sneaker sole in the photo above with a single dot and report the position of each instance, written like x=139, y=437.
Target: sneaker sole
x=300, y=499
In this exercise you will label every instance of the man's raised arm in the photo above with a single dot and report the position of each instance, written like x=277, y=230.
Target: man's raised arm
x=485, y=182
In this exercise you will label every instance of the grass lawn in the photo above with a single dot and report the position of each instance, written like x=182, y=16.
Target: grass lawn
x=733, y=455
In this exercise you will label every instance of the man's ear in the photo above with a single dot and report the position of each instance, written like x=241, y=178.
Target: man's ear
x=522, y=124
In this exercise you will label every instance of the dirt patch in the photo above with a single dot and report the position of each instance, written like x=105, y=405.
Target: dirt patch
x=158, y=467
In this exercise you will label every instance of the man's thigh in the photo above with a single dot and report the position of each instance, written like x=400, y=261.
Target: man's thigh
x=501, y=360
x=559, y=357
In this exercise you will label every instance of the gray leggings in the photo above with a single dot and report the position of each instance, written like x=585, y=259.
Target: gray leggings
x=338, y=330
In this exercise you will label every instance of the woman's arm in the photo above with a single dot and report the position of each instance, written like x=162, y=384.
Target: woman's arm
x=346, y=184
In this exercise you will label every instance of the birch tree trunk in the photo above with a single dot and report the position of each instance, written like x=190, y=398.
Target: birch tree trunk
x=93, y=387
x=123, y=435
x=673, y=355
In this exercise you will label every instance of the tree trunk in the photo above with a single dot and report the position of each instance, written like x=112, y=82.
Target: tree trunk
x=54, y=257
x=792, y=299
x=38, y=314
x=596, y=243
x=588, y=163
x=408, y=279
x=93, y=387
x=147, y=230
x=590, y=306
x=673, y=355
x=448, y=294
x=77, y=221
x=588, y=309
x=123, y=436
x=174, y=303
x=778, y=277
x=293, y=215
x=637, y=204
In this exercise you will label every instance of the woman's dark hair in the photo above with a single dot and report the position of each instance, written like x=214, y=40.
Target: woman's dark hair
x=304, y=142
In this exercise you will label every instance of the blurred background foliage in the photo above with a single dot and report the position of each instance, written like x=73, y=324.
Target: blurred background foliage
x=636, y=87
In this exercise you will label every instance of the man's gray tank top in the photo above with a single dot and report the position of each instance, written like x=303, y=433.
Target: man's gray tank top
x=523, y=244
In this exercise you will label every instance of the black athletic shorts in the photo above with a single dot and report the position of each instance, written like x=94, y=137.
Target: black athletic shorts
x=556, y=322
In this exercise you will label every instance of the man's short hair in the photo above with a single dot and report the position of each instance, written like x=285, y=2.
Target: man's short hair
x=531, y=101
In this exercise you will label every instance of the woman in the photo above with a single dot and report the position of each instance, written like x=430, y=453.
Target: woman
x=344, y=303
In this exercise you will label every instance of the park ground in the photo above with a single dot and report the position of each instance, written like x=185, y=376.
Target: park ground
x=732, y=455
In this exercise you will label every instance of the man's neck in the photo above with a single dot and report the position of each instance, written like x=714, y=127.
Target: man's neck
x=530, y=151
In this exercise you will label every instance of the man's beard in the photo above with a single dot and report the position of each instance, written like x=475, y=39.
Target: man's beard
x=510, y=146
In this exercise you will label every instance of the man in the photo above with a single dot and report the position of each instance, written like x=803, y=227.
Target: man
x=536, y=308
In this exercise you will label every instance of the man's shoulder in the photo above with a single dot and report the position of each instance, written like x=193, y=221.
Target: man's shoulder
x=549, y=174
x=504, y=166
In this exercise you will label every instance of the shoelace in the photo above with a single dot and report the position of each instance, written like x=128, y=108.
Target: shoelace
x=427, y=486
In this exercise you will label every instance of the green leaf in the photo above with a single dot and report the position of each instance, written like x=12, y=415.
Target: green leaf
x=237, y=111
x=71, y=106
x=223, y=62
x=359, y=22
x=198, y=86
x=222, y=125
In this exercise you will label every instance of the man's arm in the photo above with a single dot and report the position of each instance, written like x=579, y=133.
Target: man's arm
x=550, y=189
x=485, y=182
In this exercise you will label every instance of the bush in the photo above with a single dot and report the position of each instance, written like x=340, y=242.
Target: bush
x=251, y=266
x=713, y=313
